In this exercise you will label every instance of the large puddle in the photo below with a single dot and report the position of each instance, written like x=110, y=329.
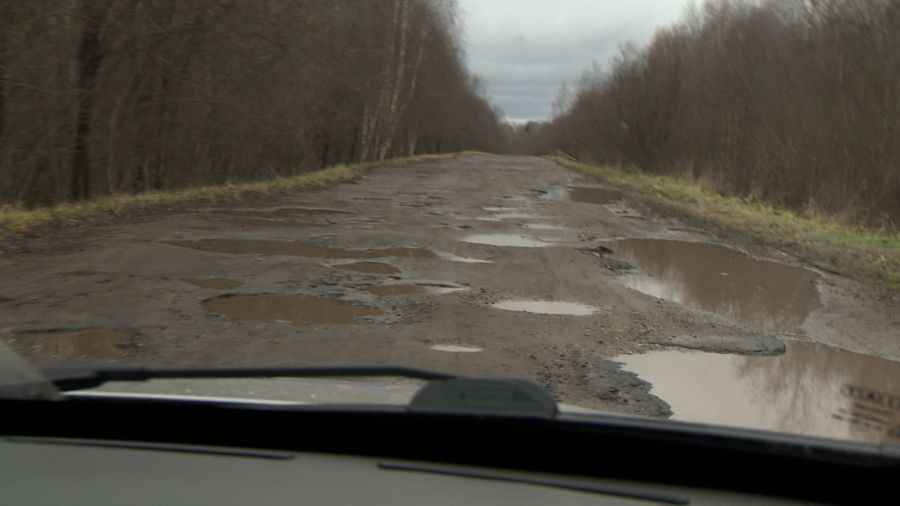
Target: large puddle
x=79, y=344
x=765, y=295
x=585, y=194
x=369, y=268
x=547, y=307
x=290, y=308
x=812, y=389
x=303, y=249
x=506, y=240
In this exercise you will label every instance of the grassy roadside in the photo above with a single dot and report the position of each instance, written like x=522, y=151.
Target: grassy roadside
x=856, y=252
x=14, y=220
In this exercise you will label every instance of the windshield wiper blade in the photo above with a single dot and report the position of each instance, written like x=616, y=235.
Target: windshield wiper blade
x=78, y=378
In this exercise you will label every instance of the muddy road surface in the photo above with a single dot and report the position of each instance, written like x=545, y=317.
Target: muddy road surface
x=482, y=265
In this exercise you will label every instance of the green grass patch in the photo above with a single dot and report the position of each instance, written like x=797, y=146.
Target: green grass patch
x=854, y=251
x=15, y=220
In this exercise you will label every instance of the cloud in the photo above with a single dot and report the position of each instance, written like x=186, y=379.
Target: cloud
x=525, y=49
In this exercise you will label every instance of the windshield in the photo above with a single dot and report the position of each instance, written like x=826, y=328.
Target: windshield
x=682, y=210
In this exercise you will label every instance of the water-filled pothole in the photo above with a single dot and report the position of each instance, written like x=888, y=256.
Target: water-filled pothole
x=547, y=307
x=585, y=194
x=516, y=216
x=506, y=240
x=811, y=389
x=282, y=212
x=369, y=268
x=77, y=344
x=766, y=295
x=214, y=283
x=290, y=308
x=293, y=248
x=408, y=289
x=452, y=348
x=542, y=226
x=456, y=258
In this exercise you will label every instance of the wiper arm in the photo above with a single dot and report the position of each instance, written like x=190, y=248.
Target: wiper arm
x=75, y=378
x=445, y=393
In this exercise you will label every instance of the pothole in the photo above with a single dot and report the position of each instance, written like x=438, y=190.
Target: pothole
x=294, y=248
x=300, y=309
x=422, y=288
x=456, y=258
x=369, y=268
x=451, y=348
x=585, y=194
x=547, y=307
x=516, y=216
x=506, y=240
x=812, y=389
x=543, y=226
x=214, y=283
x=282, y=212
x=765, y=295
x=507, y=213
x=73, y=344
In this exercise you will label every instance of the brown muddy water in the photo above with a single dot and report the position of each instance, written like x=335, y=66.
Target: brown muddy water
x=293, y=248
x=73, y=345
x=764, y=295
x=215, y=283
x=812, y=389
x=369, y=268
x=300, y=309
x=546, y=307
x=585, y=194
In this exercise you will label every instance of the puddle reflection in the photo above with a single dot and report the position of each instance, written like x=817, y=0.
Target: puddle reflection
x=811, y=389
x=585, y=194
x=765, y=295
x=506, y=240
x=282, y=212
x=547, y=307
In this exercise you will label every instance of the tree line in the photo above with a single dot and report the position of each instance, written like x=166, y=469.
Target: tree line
x=109, y=96
x=791, y=102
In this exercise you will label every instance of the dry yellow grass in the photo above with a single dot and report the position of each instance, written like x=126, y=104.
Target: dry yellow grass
x=15, y=220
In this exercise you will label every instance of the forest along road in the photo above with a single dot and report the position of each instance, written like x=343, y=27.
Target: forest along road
x=481, y=265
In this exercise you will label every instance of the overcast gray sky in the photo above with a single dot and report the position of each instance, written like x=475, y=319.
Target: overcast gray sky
x=525, y=49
